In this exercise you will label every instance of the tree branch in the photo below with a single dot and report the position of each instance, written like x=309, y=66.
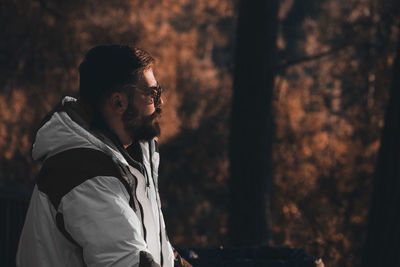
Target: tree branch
x=288, y=63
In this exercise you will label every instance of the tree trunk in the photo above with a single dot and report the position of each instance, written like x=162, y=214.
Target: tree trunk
x=251, y=122
x=383, y=234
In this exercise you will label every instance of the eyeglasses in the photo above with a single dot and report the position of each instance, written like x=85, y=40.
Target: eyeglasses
x=153, y=91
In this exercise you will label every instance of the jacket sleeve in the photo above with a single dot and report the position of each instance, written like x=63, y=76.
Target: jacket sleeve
x=98, y=217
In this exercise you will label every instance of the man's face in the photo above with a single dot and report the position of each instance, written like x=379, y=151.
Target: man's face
x=141, y=116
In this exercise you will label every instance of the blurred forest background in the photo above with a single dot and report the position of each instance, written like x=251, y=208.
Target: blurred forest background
x=332, y=83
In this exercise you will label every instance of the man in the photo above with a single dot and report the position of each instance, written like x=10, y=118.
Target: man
x=96, y=200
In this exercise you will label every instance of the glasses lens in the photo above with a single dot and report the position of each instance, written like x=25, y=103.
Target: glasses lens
x=157, y=95
x=154, y=92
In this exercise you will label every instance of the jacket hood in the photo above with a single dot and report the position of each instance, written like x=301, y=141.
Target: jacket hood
x=60, y=132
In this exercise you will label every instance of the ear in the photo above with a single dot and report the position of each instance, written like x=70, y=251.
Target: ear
x=118, y=102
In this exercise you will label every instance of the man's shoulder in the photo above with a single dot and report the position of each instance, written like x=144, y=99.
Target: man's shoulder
x=84, y=160
x=66, y=170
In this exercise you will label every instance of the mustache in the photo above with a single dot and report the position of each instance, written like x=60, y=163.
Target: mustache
x=156, y=114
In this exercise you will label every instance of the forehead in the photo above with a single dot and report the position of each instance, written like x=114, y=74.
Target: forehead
x=148, y=78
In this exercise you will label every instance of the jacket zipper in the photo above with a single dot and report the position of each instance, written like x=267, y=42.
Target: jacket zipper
x=159, y=208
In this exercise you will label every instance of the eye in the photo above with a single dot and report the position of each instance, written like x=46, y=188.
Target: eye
x=153, y=93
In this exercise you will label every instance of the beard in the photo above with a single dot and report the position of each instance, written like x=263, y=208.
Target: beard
x=141, y=127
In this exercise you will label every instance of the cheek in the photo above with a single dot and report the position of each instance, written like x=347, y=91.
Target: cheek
x=144, y=109
x=149, y=109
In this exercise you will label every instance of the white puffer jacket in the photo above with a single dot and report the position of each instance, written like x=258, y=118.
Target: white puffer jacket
x=93, y=205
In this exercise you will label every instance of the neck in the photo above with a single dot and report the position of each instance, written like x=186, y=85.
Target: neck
x=116, y=126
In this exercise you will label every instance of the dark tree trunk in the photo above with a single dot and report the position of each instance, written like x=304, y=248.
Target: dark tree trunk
x=383, y=235
x=251, y=129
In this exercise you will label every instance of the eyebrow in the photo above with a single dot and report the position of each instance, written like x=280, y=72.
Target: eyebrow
x=156, y=84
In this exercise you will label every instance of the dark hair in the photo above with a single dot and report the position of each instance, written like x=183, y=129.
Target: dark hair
x=107, y=68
